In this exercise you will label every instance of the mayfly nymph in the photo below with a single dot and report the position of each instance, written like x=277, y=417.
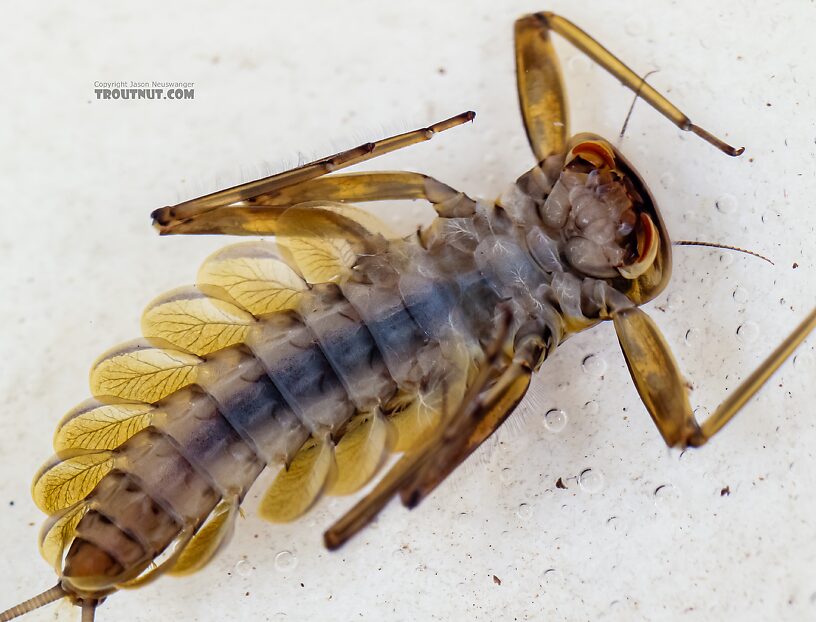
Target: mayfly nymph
x=319, y=354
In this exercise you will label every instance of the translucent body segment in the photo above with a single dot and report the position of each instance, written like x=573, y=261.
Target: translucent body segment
x=69, y=481
x=141, y=372
x=94, y=425
x=458, y=234
x=143, y=574
x=58, y=533
x=167, y=477
x=508, y=265
x=208, y=540
x=194, y=322
x=349, y=347
x=323, y=240
x=429, y=302
x=295, y=489
x=360, y=452
x=208, y=442
x=566, y=289
x=254, y=277
x=445, y=387
x=298, y=368
x=101, y=531
x=120, y=497
x=447, y=289
x=395, y=332
x=254, y=407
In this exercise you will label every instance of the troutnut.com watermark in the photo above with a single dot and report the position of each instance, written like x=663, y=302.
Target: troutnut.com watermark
x=144, y=90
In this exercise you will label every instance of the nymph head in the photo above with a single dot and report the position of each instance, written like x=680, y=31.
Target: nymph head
x=606, y=222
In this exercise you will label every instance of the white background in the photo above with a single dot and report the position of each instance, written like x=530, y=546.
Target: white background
x=78, y=262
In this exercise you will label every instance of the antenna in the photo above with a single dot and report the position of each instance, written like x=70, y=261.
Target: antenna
x=723, y=246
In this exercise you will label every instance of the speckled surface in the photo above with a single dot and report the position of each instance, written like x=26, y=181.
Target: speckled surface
x=724, y=533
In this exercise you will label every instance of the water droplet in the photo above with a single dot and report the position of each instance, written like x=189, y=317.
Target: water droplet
x=578, y=63
x=590, y=480
x=592, y=407
x=506, y=475
x=690, y=337
x=748, y=332
x=740, y=294
x=666, y=495
x=285, y=561
x=693, y=217
x=686, y=454
x=243, y=568
x=674, y=301
x=635, y=26
x=667, y=180
x=612, y=523
x=726, y=259
x=804, y=361
x=727, y=203
x=555, y=420
x=399, y=553
x=594, y=365
x=524, y=511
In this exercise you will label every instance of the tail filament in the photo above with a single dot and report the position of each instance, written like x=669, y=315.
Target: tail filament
x=48, y=596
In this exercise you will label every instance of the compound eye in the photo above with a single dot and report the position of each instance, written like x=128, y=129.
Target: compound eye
x=648, y=242
x=596, y=152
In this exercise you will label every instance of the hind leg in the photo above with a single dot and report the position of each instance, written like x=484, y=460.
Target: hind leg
x=195, y=216
x=259, y=215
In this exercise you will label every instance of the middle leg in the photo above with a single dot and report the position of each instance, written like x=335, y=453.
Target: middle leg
x=491, y=397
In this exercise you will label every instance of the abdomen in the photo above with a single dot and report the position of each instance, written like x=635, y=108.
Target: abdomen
x=250, y=369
